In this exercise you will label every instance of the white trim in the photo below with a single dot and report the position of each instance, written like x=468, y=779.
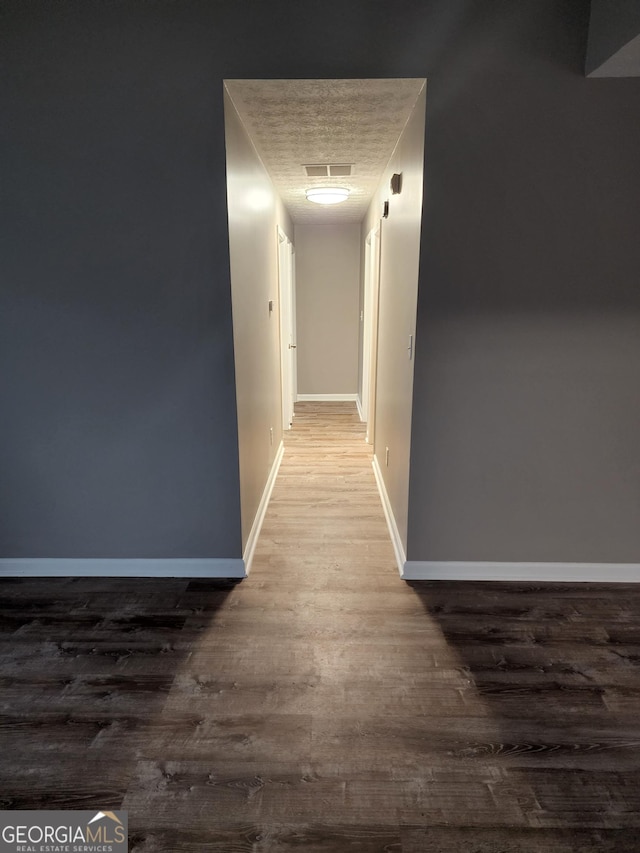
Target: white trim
x=396, y=541
x=327, y=398
x=371, y=310
x=365, y=338
x=369, y=338
x=524, y=572
x=294, y=332
x=359, y=408
x=252, y=540
x=180, y=567
x=287, y=327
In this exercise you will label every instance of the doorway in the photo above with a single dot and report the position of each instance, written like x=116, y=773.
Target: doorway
x=288, y=347
x=370, y=330
x=286, y=138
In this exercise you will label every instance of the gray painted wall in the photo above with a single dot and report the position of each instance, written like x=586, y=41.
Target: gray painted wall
x=613, y=48
x=255, y=212
x=327, y=312
x=118, y=433
x=528, y=361
x=529, y=441
x=399, y=260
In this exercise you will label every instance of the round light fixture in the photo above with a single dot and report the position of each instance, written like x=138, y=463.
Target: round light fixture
x=327, y=195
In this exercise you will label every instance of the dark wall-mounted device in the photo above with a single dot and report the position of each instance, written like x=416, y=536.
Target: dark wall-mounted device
x=396, y=183
x=385, y=210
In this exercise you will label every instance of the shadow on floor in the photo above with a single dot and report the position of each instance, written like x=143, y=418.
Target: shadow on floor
x=86, y=665
x=551, y=690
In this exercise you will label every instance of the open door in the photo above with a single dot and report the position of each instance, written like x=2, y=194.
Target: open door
x=288, y=362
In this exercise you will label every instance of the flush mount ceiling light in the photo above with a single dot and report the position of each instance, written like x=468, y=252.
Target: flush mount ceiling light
x=327, y=195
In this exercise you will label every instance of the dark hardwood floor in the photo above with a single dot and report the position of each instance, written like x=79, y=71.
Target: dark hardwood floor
x=323, y=704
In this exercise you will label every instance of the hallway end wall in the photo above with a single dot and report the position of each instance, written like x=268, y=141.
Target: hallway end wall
x=327, y=312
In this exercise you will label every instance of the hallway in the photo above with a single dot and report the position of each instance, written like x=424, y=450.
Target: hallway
x=325, y=516
x=323, y=705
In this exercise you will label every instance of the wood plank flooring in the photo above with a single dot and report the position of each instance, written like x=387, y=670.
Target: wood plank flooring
x=323, y=704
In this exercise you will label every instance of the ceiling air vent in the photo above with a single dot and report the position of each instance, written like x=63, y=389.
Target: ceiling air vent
x=317, y=171
x=328, y=170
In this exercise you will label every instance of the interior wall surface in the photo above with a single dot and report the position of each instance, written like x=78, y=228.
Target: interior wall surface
x=327, y=307
x=399, y=264
x=613, y=28
x=528, y=343
x=119, y=431
x=118, y=434
x=255, y=213
x=530, y=438
x=361, y=289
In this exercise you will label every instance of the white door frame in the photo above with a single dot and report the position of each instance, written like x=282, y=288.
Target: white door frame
x=288, y=362
x=293, y=352
x=370, y=329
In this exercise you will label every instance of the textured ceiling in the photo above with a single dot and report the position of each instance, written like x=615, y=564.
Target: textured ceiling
x=298, y=122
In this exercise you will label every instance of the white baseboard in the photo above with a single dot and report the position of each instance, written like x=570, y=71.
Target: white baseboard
x=327, y=398
x=187, y=567
x=396, y=541
x=147, y=567
x=359, y=408
x=256, y=527
x=418, y=570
